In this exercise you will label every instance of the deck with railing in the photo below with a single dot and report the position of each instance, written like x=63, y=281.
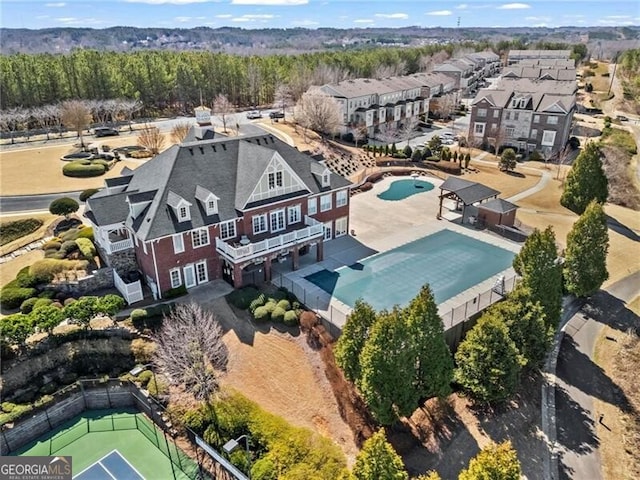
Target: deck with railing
x=314, y=229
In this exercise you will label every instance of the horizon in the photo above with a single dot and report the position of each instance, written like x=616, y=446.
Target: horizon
x=315, y=14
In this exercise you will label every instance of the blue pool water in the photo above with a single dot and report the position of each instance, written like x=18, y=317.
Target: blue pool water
x=448, y=261
x=401, y=189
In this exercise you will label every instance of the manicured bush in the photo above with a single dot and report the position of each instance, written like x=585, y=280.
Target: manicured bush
x=145, y=377
x=64, y=206
x=70, y=235
x=27, y=306
x=52, y=245
x=84, y=169
x=271, y=305
x=138, y=315
x=68, y=247
x=278, y=314
x=69, y=301
x=11, y=298
x=290, y=318
x=261, y=314
x=83, y=310
x=257, y=302
x=88, y=193
x=87, y=248
x=110, y=304
x=140, y=154
x=416, y=156
x=86, y=232
x=535, y=156
x=242, y=297
x=10, y=231
x=175, y=292
x=284, y=304
x=408, y=151
x=45, y=270
x=308, y=320
x=24, y=278
x=101, y=162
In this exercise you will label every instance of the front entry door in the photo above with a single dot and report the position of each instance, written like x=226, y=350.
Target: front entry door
x=328, y=234
x=189, y=276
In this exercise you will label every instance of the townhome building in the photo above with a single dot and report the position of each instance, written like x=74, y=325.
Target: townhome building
x=217, y=208
x=543, y=73
x=525, y=114
x=515, y=56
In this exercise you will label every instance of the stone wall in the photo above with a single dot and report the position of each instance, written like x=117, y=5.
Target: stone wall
x=123, y=261
x=98, y=280
x=99, y=396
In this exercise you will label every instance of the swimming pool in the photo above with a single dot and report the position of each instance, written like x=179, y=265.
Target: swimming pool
x=401, y=189
x=448, y=261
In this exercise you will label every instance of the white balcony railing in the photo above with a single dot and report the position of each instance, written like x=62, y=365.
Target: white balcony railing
x=313, y=230
x=132, y=292
x=119, y=245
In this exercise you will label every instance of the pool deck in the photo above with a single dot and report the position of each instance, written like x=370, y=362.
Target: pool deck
x=379, y=226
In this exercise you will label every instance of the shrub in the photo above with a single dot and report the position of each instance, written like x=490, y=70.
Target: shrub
x=70, y=235
x=278, y=314
x=83, y=310
x=52, y=245
x=68, y=247
x=432, y=159
x=137, y=315
x=27, y=306
x=175, y=292
x=308, y=320
x=142, y=350
x=284, y=304
x=24, y=278
x=271, y=305
x=64, y=206
x=11, y=298
x=535, y=156
x=290, y=318
x=261, y=314
x=408, y=151
x=157, y=387
x=88, y=193
x=416, y=156
x=10, y=231
x=83, y=169
x=140, y=154
x=101, y=162
x=86, y=232
x=110, y=304
x=42, y=302
x=45, y=270
x=69, y=301
x=54, y=254
x=7, y=407
x=366, y=186
x=145, y=377
x=87, y=248
x=257, y=302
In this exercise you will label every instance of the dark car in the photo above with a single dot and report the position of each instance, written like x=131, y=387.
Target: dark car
x=105, y=132
x=276, y=114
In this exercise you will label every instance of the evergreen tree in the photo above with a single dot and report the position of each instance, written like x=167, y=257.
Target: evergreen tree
x=378, y=460
x=585, y=265
x=508, y=160
x=496, y=462
x=537, y=264
x=354, y=335
x=586, y=180
x=387, y=370
x=487, y=361
x=431, y=355
x=525, y=320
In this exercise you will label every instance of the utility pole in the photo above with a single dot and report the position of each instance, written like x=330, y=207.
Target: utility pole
x=613, y=75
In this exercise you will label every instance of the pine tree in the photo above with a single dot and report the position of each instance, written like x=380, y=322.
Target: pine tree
x=586, y=180
x=508, y=160
x=496, y=462
x=585, y=265
x=538, y=265
x=488, y=362
x=431, y=355
x=525, y=320
x=387, y=370
x=378, y=460
x=351, y=341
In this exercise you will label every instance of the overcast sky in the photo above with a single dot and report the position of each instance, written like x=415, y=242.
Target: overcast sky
x=315, y=13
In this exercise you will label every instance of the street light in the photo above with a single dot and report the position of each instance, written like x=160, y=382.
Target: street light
x=234, y=443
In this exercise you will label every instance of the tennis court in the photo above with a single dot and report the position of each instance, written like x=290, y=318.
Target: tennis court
x=122, y=444
x=448, y=261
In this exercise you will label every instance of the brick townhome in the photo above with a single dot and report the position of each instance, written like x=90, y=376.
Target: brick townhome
x=217, y=208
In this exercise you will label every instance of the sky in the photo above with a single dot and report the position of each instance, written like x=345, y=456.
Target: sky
x=251, y=14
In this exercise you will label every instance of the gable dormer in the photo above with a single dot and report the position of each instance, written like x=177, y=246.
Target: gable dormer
x=277, y=179
x=138, y=201
x=209, y=200
x=322, y=174
x=181, y=208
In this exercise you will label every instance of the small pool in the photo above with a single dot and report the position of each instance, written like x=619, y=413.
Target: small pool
x=401, y=189
x=448, y=261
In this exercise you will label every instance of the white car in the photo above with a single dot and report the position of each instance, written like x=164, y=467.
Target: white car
x=253, y=114
x=447, y=135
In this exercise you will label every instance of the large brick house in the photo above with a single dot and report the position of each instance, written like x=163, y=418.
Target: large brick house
x=217, y=208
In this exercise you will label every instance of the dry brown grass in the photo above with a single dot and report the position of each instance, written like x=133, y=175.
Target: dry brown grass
x=622, y=188
x=10, y=269
x=620, y=434
x=507, y=184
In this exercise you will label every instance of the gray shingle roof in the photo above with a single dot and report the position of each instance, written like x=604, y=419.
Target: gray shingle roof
x=227, y=167
x=498, y=205
x=468, y=192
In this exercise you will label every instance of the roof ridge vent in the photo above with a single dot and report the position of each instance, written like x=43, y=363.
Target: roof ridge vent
x=191, y=151
x=224, y=146
x=214, y=147
x=201, y=150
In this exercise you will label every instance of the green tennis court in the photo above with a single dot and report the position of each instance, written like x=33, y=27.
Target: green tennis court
x=448, y=261
x=95, y=435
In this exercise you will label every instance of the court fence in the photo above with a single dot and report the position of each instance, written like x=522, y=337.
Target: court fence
x=151, y=419
x=455, y=322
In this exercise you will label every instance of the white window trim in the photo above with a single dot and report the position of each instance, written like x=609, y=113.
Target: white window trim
x=547, y=143
x=482, y=112
x=171, y=272
x=231, y=224
x=297, y=209
x=186, y=216
x=338, y=233
x=342, y=198
x=178, y=243
x=475, y=128
x=552, y=120
x=197, y=234
x=325, y=207
x=263, y=223
x=206, y=273
x=210, y=210
x=275, y=214
x=312, y=202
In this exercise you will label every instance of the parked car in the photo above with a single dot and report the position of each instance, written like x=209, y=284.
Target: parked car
x=622, y=118
x=447, y=135
x=276, y=114
x=253, y=114
x=105, y=132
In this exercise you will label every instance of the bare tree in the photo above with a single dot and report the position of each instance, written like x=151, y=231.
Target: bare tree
x=388, y=133
x=53, y=113
x=443, y=106
x=151, y=138
x=385, y=71
x=98, y=110
x=126, y=108
x=283, y=97
x=77, y=115
x=358, y=133
x=254, y=79
x=427, y=62
x=179, y=132
x=222, y=107
x=299, y=82
x=324, y=73
x=408, y=128
x=191, y=351
x=319, y=112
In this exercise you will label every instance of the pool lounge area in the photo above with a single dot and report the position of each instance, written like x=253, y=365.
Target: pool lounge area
x=401, y=189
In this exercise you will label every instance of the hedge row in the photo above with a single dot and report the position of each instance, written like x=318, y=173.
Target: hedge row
x=85, y=168
x=281, y=306
x=10, y=231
